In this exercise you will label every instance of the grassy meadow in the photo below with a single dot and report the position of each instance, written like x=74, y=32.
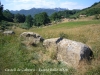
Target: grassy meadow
x=14, y=55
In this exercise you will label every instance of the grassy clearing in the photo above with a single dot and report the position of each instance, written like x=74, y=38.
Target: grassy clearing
x=56, y=30
x=87, y=32
x=13, y=54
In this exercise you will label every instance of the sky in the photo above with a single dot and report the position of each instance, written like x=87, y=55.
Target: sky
x=28, y=4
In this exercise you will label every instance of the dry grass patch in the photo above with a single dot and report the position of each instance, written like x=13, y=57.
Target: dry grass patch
x=15, y=55
x=88, y=34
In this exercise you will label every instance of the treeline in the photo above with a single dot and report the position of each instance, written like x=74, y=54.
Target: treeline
x=43, y=18
x=37, y=20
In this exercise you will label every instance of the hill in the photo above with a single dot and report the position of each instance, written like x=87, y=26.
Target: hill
x=92, y=10
x=34, y=11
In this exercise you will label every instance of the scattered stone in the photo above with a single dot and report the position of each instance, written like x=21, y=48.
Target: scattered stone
x=30, y=38
x=10, y=32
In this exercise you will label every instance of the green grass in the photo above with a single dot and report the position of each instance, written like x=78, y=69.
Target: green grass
x=68, y=25
x=13, y=54
x=55, y=30
x=76, y=24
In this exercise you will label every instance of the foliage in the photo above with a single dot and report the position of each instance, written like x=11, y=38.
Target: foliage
x=63, y=35
x=95, y=4
x=1, y=10
x=4, y=25
x=93, y=10
x=19, y=18
x=97, y=16
x=63, y=14
x=67, y=13
x=29, y=21
x=24, y=26
x=41, y=19
x=54, y=17
x=8, y=15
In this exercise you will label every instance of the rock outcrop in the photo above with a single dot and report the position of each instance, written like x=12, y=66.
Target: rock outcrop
x=30, y=38
x=68, y=51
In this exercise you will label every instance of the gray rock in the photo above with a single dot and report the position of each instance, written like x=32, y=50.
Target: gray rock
x=48, y=43
x=30, y=38
x=68, y=51
x=9, y=32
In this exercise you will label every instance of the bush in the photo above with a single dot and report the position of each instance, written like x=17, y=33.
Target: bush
x=97, y=16
x=24, y=26
x=63, y=35
x=4, y=25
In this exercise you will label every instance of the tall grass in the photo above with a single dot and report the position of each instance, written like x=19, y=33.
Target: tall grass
x=87, y=32
x=13, y=54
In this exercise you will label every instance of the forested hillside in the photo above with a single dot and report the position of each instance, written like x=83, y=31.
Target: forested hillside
x=92, y=10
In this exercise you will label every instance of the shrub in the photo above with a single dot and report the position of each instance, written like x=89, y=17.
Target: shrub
x=4, y=25
x=97, y=16
x=63, y=35
x=24, y=26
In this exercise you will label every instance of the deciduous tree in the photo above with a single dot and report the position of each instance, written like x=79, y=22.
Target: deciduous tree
x=29, y=21
x=41, y=19
x=8, y=15
x=19, y=18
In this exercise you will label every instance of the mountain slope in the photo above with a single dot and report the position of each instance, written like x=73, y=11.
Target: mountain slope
x=34, y=11
x=92, y=10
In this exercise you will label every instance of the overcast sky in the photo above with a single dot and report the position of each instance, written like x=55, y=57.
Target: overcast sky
x=28, y=4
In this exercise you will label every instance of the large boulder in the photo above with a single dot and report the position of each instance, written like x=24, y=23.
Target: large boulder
x=68, y=51
x=49, y=43
x=30, y=38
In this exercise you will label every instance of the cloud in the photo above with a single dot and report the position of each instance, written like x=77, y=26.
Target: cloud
x=18, y=0
x=71, y=5
x=28, y=4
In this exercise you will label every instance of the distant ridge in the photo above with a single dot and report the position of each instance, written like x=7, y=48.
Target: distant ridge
x=34, y=11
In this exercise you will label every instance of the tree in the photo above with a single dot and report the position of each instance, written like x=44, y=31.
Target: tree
x=1, y=10
x=29, y=21
x=37, y=20
x=8, y=15
x=19, y=18
x=54, y=16
x=45, y=18
x=41, y=19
